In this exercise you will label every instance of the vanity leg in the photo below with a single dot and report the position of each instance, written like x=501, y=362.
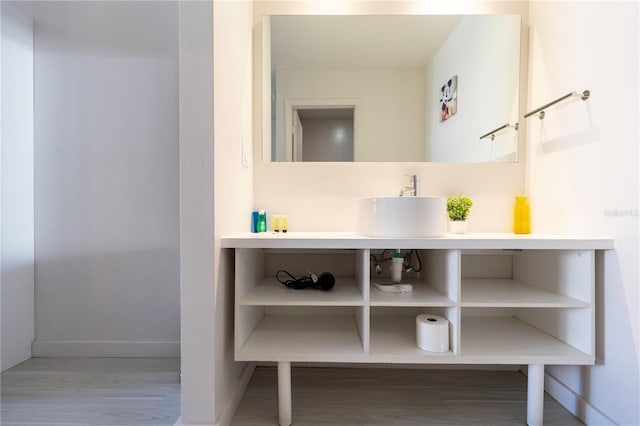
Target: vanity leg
x=284, y=392
x=535, y=395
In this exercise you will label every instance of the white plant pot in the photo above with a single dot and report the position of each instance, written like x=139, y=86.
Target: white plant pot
x=458, y=226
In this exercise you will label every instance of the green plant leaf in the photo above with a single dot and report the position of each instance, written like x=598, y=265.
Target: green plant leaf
x=458, y=207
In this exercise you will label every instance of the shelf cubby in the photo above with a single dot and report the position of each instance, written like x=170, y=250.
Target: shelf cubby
x=512, y=340
x=393, y=334
x=314, y=334
x=506, y=292
x=565, y=272
x=436, y=284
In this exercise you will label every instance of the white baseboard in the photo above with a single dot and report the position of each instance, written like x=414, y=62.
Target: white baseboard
x=234, y=399
x=574, y=403
x=118, y=349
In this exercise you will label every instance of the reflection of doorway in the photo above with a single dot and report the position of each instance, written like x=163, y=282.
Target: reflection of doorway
x=320, y=130
x=327, y=134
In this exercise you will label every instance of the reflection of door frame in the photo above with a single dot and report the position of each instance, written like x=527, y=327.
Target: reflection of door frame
x=297, y=135
x=291, y=104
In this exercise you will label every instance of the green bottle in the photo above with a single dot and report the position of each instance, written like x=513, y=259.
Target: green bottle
x=262, y=221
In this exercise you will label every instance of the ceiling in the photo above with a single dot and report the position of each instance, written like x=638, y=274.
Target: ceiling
x=358, y=40
x=338, y=113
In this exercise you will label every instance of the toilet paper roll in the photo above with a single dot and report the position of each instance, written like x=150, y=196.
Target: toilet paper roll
x=432, y=333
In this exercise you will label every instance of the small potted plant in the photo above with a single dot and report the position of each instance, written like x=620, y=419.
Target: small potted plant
x=458, y=210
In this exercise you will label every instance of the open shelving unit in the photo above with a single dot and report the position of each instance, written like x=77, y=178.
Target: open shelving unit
x=505, y=303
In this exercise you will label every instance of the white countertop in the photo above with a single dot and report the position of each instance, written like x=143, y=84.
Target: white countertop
x=473, y=241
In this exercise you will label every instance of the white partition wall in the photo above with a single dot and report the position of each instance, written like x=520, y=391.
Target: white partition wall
x=16, y=154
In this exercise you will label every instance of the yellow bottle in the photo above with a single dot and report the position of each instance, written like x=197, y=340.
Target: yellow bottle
x=522, y=216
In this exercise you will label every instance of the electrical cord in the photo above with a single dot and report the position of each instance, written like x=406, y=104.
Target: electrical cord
x=293, y=282
x=326, y=280
x=385, y=256
x=419, y=268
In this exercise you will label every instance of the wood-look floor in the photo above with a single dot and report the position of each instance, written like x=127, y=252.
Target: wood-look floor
x=145, y=392
x=402, y=397
x=91, y=391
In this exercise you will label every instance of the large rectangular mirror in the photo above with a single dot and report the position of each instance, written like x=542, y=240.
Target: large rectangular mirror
x=391, y=88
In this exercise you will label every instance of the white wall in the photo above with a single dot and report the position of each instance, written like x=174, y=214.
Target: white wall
x=16, y=154
x=214, y=132
x=106, y=178
x=583, y=179
x=320, y=196
x=389, y=116
x=197, y=292
x=487, y=65
x=233, y=84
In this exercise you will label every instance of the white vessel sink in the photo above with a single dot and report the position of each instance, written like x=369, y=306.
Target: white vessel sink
x=401, y=217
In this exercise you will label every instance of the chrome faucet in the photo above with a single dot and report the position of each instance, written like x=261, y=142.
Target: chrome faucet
x=412, y=190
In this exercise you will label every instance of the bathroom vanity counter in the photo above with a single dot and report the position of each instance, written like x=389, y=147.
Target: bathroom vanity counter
x=508, y=299
x=350, y=240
